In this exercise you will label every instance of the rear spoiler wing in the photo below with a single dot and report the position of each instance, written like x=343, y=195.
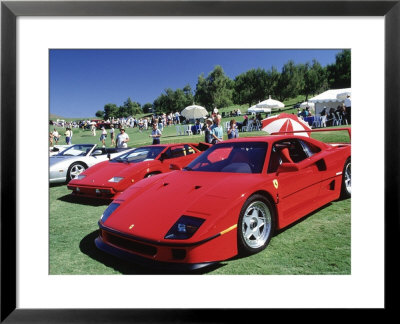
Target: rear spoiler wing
x=348, y=129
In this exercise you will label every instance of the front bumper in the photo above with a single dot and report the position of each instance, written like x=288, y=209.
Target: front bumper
x=168, y=255
x=93, y=192
x=140, y=260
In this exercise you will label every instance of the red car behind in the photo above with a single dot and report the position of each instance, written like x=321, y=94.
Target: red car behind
x=108, y=179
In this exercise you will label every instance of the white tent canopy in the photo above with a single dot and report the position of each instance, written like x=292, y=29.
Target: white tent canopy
x=343, y=95
x=270, y=103
x=329, y=99
x=255, y=109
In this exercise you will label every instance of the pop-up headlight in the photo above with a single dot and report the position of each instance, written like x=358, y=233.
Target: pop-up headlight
x=110, y=209
x=115, y=179
x=184, y=228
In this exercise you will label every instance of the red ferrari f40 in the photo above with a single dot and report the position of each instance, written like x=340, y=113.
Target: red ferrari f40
x=229, y=200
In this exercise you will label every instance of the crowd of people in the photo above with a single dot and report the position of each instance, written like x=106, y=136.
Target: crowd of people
x=214, y=131
x=212, y=128
x=54, y=136
x=341, y=115
x=333, y=117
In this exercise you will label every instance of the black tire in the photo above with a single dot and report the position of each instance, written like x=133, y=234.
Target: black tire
x=346, y=180
x=256, y=225
x=75, y=169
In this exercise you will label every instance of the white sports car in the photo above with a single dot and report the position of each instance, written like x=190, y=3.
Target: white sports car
x=69, y=163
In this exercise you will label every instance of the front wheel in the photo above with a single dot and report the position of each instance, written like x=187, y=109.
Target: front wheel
x=74, y=170
x=256, y=225
x=346, y=180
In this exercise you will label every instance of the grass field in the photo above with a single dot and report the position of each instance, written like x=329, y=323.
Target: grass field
x=320, y=243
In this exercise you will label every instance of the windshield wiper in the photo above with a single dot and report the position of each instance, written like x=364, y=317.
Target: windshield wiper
x=187, y=168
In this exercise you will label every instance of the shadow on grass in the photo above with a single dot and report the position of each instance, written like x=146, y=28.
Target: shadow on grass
x=84, y=200
x=88, y=247
x=57, y=184
x=302, y=219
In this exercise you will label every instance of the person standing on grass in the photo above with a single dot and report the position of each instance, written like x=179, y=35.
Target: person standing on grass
x=68, y=136
x=56, y=136
x=122, y=139
x=93, y=128
x=232, y=130
x=51, y=137
x=217, y=132
x=112, y=135
x=207, y=130
x=155, y=134
x=103, y=136
x=347, y=104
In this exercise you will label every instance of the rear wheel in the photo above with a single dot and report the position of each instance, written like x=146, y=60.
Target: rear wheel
x=346, y=180
x=75, y=169
x=256, y=225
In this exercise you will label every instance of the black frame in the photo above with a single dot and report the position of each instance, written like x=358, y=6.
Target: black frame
x=10, y=10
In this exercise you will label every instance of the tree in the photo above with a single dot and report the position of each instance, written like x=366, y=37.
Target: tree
x=315, y=79
x=291, y=81
x=187, y=90
x=165, y=102
x=250, y=87
x=339, y=74
x=214, y=91
x=129, y=108
x=110, y=110
x=147, y=107
x=272, y=79
x=202, y=95
x=100, y=114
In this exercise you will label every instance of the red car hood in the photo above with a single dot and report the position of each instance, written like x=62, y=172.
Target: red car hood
x=151, y=207
x=99, y=175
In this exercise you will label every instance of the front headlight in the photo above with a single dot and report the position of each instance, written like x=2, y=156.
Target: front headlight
x=110, y=209
x=115, y=179
x=184, y=228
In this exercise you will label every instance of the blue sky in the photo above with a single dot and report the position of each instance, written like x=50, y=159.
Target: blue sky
x=83, y=81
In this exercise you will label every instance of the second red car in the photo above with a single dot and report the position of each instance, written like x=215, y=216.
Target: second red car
x=108, y=179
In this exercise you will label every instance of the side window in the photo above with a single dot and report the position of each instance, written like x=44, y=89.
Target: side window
x=286, y=151
x=296, y=151
x=189, y=150
x=309, y=148
x=175, y=152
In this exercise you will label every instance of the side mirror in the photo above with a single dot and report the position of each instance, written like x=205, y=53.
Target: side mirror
x=288, y=167
x=175, y=167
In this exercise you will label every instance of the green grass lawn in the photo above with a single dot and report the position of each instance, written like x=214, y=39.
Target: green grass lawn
x=320, y=243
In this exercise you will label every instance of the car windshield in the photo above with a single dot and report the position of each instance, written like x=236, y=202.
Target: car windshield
x=76, y=150
x=234, y=157
x=141, y=154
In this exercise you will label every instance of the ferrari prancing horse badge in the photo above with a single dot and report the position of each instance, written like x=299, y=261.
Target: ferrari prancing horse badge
x=275, y=182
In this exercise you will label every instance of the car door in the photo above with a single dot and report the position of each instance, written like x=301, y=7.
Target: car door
x=297, y=190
